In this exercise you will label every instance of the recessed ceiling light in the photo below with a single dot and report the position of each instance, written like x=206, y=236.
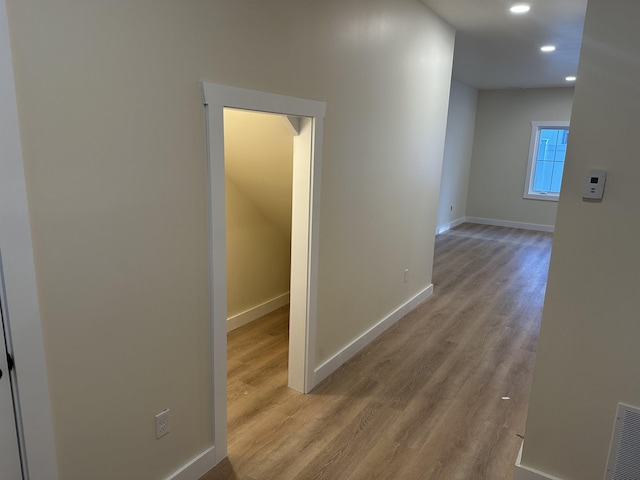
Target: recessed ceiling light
x=570, y=79
x=548, y=48
x=520, y=8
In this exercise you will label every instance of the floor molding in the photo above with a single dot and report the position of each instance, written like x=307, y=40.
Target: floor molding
x=507, y=223
x=449, y=226
x=196, y=467
x=523, y=472
x=331, y=365
x=242, y=318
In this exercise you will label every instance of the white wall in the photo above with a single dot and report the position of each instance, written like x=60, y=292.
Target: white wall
x=457, y=155
x=113, y=136
x=588, y=357
x=501, y=151
x=258, y=152
x=258, y=254
x=258, y=149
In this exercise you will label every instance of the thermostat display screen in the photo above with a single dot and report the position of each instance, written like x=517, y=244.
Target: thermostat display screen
x=593, y=186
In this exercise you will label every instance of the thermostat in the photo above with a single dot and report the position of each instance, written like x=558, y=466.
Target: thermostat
x=594, y=182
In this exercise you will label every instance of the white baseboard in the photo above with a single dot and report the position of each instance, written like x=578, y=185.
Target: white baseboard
x=507, y=223
x=449, y=226
x=523, y=472
x=331, y=365
x=256, y=312
x=196, y=467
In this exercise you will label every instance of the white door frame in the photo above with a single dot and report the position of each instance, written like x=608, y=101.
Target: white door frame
x=10, y=462
x=304, y=237
x=19, y=296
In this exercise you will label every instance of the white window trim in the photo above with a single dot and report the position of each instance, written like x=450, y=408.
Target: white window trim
x=533, y=147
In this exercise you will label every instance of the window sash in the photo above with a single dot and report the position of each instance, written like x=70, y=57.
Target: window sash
x=547, y=154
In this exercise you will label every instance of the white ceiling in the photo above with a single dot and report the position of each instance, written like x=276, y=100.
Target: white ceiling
x=496, y=49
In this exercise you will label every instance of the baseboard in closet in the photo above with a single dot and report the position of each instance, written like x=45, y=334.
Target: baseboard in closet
x=242, y=318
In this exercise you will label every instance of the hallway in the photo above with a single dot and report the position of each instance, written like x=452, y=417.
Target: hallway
x=443, y=394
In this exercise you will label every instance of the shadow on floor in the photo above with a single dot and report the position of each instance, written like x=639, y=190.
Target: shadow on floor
x=222, y=471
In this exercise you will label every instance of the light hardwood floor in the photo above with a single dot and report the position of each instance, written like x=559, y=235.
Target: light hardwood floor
x=424, y=400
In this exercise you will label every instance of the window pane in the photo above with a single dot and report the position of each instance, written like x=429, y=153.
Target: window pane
x=544, y=174
x=552, y=150
x=546, y=150
x=556, y=178
x=561, y=152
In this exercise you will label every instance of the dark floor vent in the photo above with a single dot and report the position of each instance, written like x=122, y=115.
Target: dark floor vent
x=624, y=456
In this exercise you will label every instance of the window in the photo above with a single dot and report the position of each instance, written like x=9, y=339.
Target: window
x=546, y=160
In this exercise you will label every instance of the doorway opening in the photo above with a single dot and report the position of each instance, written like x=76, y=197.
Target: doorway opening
x=308, y=116
x=258, y=150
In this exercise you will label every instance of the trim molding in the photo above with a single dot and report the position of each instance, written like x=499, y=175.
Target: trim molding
x=523, y=472
x=507, y=223
x=307, y=155
x=449, y=226
x=331, y=365
x=196, y=467
x=253, y=313
x=20, y=295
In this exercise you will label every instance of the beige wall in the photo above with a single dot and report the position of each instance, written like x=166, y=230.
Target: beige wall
x=501, y=151
x=259, y=169
x=588, y=358
x=114, y=149
x=457, y=154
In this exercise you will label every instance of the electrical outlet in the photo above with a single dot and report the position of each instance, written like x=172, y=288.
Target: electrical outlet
x=406, y=275
x=163, y=423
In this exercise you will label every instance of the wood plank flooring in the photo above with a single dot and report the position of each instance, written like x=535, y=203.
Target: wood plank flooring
x=424, y=400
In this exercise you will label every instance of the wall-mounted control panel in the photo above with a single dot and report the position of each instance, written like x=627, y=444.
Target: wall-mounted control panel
x=594, y=182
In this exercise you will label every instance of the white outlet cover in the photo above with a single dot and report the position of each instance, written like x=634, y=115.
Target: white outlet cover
x=163, y=423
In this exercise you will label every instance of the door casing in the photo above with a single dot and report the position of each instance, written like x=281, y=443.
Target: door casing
x=304, y=237
x=19, y=295
x=10, y=464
